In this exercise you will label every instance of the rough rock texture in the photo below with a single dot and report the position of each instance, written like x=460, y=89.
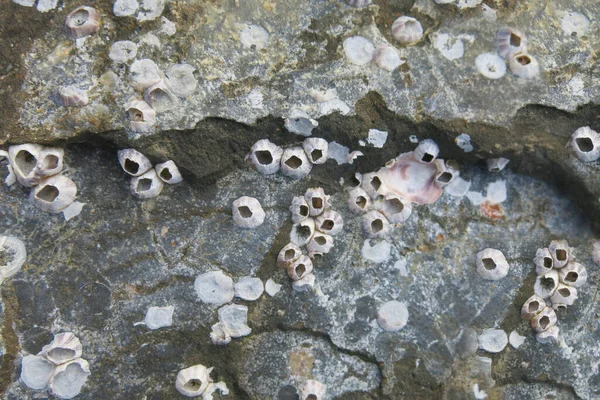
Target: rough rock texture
x=97, y=274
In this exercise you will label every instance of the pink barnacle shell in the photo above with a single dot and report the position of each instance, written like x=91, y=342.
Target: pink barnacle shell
x=411, y=179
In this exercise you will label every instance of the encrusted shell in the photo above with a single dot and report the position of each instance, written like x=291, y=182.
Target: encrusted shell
x=69, y=378
x=509, y=42
x=564, y=295
x=329, y=222
x=300, y=268
x=544, y=320
x=159, y=97
x=561, y=252
x=320, y=243
x=545, y=285
x=392, y=316
x=543, y=261
x=550, y=335
x=219, y=335
x=214, y=287
x=133, y=162
x=302, y=232
x=395, y=208
x=490, y=65
x=247, y=212
x=24, y=158
x=54, y=194
x=524, y=66
x=387, y=58
x=358, y=50
x=300, y=123
x=50, y=161
x=374, y=224
x=288, y=254
x=299, y=209
x=82, y=21
x=193, y=381
x=181, y=80
x=496, y=164
x=72, y=96
x=585, y=142
x=265, y=156
x=142, y=117
x=491, y=264
x=407, y=30
x=19, y=256
x=372, y=183
x=311, y=389
x=294, y=163
x=447, y=171
x=65, y=347
x=317, y=201
x=144, y=73
x=316, y=149
x=305, y=284
x=36, y=372
x=146, y=186
x=533, y=306
x=356, y=3
x=427, y=151
x=168, y=172
x=123, y=51
x=234, y=318
x=573, y=274
x=358, y=200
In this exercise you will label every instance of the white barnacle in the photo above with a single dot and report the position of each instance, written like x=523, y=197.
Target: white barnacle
x=493, y=340
x=510, y=41
x=543, y=320
x=254, y=37
x=358, y=200
x=375, y=224
x=144, y=73
x=72, y=96
x=193, y=381
x=300, y=123
x=387, y=58
x=299, y=268
x=311, y=389
x=64, y=348
x=561, y=252
x=234, y=318
x=159, y=317
x=69, y=378
x=316, y=149
x=359, y=50
x=294, y=163
x=123, y=51
x=358, y=4
x=447, y=171
x=575, y=24
x=407, y=30
x=247, y=212
x=302, y=232
x=496, y=164
x=564, y=295
x=320, y=243
x=146, y=186
x=142, y=116
x=272, y=288
x=329, y=222
x=392, y=316
x=159, y=97
x=24, y=158
x=54, y=194
x=373, y=184
x=50, y=161
x=395, y=208
x=214, y=287
x=249, y=288
x=543, y=261
x=133, y=162
x=427, y=151
x=125, y=8
x=524, y=66
x=317, y=201
x=36, y=372
x=490, y=65
x=181, y=80
x=550, y=335
x=532, y=306
x=491, y=264
x=17, y=253
x=545, y=285
x=585, y=143
x=168, y=172
x=219, y=335
x=573, y=274
x=82, y=21
x=306, y=284
x=265, y=156
x=299, y=209
x=288, y=254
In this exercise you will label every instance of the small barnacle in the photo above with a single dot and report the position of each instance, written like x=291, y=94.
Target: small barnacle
x=168, y=172
x=387, y=58
x=545, y=285
x=247, y=212
x=234, y=318
x=24, y=158
x=249, y=288
x=496, y=164
x=302, y=232
x=358, y=200
x=575, y=24
x=491, y=264
x=543, y=261
x=82, y=21
x=544, y=320
x=54, y=194
x=373, y=185
x=299, y=209
x=133, y=162
x=265, y=156
x=585, y=142
x=294, y=163
x=550, y=335
x=395, y=208
x=36, y=372
x=329, y=222
x=288, y=254
x=305, y=284
x=524, y=66
x=193, y=381
x=317, y=150
x=72, y=96
x=146, y=186
x=509, y=42
x=18, y=254
x=181, y=80
x=69, y=378
x=490, y=65
x=299, y=268
x=158, y=317
x=392, y=316
x=564, y=295
x=493, y=340
x=407, y=30
x=374, y=224
x=65, y=347
x=447, y=171
x=300, y=123
x=311, y=389
x=561, y=252
x=358, y=50
x=144, y=73
x=320, y=243
x=533, y=306
x=123, y=51
x=159, y=97
x=427, y=151
x=219, y=335
x=573, y=274
x=125, y=8
x=358, y=4
x=214, y=287
x=50, y=161
x=142, y=117
x=317, y=201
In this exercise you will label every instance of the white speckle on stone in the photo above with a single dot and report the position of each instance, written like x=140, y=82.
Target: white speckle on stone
x=125, y=8
x=167, y=27
x=458, y=187
x=413, y=139
x=249, y=288
x=376, y=138
x=479, y=394
x=392, y=316
x=46, y=5
x=300, y=123
x=353, y=156
x=489, y=13
x=272, y=288
x=234, y=319
x=490, y=65
x=496, y=192
x=255, y=98
x=333, y=105
x=254, y=37
x=159, y=317
x=400, y=265
x=516, y=340
x=493, y=340
x=123, y=51
x=26, y=3
x=321, y=96
x=451, y=48
x=73, y=210
x=150, y=10
x=464, y=142
x=576, y=86
x=468, y=3
x=377, y=253
x=214, y=287
x=575, y=24
x=359, y=50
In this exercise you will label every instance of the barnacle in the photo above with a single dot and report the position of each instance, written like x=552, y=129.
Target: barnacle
x=18, y=253
x=491, y=264
x=407, y=30
x=247, y=212
x=82, y=21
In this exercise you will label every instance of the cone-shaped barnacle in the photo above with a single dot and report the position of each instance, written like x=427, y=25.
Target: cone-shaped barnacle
x=311, y=389
x=65, y=347
x=561, y=252
x=317, y=201
x=496, y=164
x=168, y=172
x=320, y=243
x=294, y=163
x=54, y=194
x=159, y=97
x=533, y=306
x=50, y=161
x=358, y=200
x=490, y=65
x=316, y=149
x=524, y=66
x=329, y=222
x=491, y=264
x=17, y=251
x=387, y=58
x=219, y=335
x=288, y=254
x=265, y=156
x=299, y=209
x=509, y=42
x=392, y=316
x=564, y=295
x=545, y=285
x=427, y=151
x=302, y=232
x=300, y=268
x=374, y=224
x=193, y=381
x=358, y=4
x=544, y=320
x=543, y=261
x=36, y=372
x=407, y=30
x=395, y=208
x=373, y=185
x=305, y=284
x=142, y=117
x=585, y=142
x=23, y=158
x=133, y=162
x=69, y=378
x=447, y=171
x=247, y=212
x=71, y=96
x=82, y=21
x=146, y=186
x=550, y=335
x=573, y=274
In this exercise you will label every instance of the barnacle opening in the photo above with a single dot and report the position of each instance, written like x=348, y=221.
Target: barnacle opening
x=394, y=206
x=524, y=59
x=303, y=232
x=289, y=254
x=166, y=174
x=515, y=40
x=564, y=292
x=311, y=397
x=264, y=157
x=60, y=353
x=547, y=262
x=131, y=166
x=320, y=240
x=245, y=211
x=25, y=161
x=544, y=322
x=361, y=201
x=488, y=264
x=303, y=211
x=316, y=155
x=533, y=306
x=300, y=270
x=547, y=283
x=585, y=145
x=135, y=115
x=376, y=225
x=327, y=224
x=48, y=193
x=427, y=157
x=495, y=169
x=445, y=177
x=376, y=183
x=144, y=184
x=50, y=161
x=571, y=277
x=561, y=254
x=80, y=17
x=193, y=385
x=354, y=181
x=159, y=98
x=293, y=162
x=317, y=202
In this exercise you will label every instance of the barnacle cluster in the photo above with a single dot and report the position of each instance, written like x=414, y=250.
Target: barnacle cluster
x=585, y=143
x=196, y=381
x=315, y=224
x=559, y=277
x=512, y=46
x=147, y=181
x=18, y=255
x=58, y=367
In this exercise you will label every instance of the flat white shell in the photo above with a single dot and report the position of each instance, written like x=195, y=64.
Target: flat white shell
x=358, y=50
x=392, y=316
x=69, y=378
x=36, y=371
x=490, y=65
x=249, y=288
x=159, y=317
x=254, y=37
x=493, y=340
x=272, y=288
x=214, y=287
x=234, y=318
